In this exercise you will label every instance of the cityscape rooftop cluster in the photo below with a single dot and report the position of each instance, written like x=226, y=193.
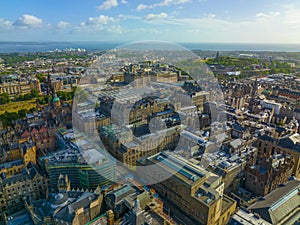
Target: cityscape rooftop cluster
x=144, y=142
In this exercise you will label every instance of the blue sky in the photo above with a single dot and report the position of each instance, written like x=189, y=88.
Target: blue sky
x=246, y=21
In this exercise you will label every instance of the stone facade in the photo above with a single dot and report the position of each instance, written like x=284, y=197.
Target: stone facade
x=265, y=176
x=192, y=189
x=29, y=184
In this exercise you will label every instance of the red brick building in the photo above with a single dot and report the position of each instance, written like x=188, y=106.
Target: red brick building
x=43, y=137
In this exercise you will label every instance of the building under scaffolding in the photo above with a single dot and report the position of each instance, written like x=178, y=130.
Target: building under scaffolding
x=82, y=172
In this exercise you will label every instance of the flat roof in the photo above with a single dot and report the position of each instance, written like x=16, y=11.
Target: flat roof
x=242, y=217
x=184, y=170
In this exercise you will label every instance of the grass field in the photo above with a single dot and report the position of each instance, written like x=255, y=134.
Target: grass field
x=16, y=106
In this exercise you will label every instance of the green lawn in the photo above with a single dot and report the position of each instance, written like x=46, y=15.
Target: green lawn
x=16, y=106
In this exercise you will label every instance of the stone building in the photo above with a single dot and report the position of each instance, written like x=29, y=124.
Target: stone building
x=239, y=131
x=86, y=170
x=230, y=167
x=43, y=137
x=17, y=88
x=68, y=208
x=199, y=98
x=196, y=192
x=121, y=143
x=270, y=172
x=27, y=185
x=281, y=205
x=105, y=219
x=9, y=169
x=289, y=144
x=25, y=151
x=63, y=183
x=89, y=122
x=133, y=204
x=131, y=106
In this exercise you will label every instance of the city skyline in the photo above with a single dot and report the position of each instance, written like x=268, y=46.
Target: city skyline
x=168, y=20
x=149, y=132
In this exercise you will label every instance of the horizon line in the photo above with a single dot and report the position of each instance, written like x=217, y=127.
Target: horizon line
x=188, y=42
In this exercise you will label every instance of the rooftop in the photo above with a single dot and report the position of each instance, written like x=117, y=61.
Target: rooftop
x=11, y=164
x=243, y=217
x=275, y=206
x=63, y=206
x=185, y=171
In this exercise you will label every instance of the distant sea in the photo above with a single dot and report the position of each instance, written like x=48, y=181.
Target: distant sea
x=8, y=47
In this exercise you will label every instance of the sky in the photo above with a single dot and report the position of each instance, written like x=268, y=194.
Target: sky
x=195, y=21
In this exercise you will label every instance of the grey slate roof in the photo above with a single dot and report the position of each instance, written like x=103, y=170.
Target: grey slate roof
x=67, y=213
x=276, y=206
x=27, y=174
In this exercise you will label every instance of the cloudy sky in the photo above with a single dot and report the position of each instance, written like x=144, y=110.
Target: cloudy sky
x=246, y=21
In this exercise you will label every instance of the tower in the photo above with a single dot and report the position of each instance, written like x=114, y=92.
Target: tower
x=63, y=183
x=254, y=90
x=56, y=101
x=110, y=217
x=48, y=88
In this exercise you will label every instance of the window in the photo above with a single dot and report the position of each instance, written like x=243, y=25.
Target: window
x=273, y=150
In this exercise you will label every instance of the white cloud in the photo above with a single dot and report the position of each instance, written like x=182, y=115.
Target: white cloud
x=99, y=23
x=107, y=27
x=28, y=21
x=100, y=20
x=275, y=13
x=270, y=27
x=162, y=3
x=116, y=29
x=281, y=26
x=160, y=16
x=146, y=30
x=211, y=16
x=128, y=17
x=267, y=15
x=124, y=2
x=108, y=4
x=5, y=23
x=141, y=7
x=260, y=15
x=172, y=2
x=63, y=24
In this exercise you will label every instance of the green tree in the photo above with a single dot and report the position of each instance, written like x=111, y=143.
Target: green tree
x=9, y=119
x=4, y=98
x=27, y=96
x=22, y=113
x=19, y=98
x=280, y=123
x=34, y=93
x=40, y=77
